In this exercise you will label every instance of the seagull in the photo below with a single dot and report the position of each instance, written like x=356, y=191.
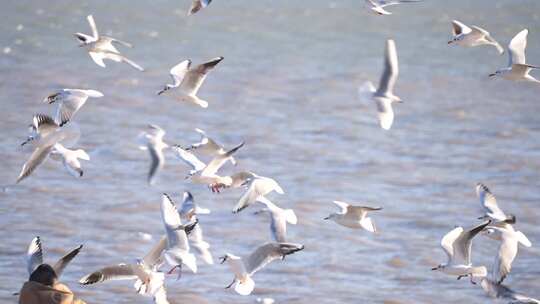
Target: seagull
x=501, y=291
x=69, y=101
x=177, y=251
x=34, y=257
x=279, y=219
x=208, y=146
x=148, y=280
x=153, y=142
x=70, y=158
x=384, y=96
x=457, y=245
x=378, y=6
x=258, y=186
x=489, y=203
x=197, y=5
x=517, y=69
x=244, y=269
x=353, y=216
x=472, y=36
x=189, y=159
x=45, y=136
x=209, y=176
x=187, y=81
x=508, y=248
x=102, y=47
x=189, y=212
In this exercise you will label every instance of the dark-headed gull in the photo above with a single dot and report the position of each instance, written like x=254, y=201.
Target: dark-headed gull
x=69, y=101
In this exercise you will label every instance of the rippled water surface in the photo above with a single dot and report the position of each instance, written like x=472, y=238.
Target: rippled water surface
x=288, y=87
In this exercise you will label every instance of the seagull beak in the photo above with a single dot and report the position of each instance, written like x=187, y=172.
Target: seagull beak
x=451, y=41
x=434, y=268
x=326, y=218
x=223, y=259
x=492, y=74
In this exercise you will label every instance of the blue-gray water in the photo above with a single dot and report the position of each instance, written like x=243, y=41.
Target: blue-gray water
x=288, y=87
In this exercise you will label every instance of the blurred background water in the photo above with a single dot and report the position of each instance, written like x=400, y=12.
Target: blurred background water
x=288, y=87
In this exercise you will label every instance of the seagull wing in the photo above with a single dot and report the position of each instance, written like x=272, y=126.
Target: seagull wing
x=516, y=48
x=459, y=28
x=71, y=102
x=463, y=244
x=262, y=256
x=160, y=297
x=64, y=261
x=344, y=206
x=215, y=164
x=153, y=257
x=93, y=26
x=179, y=71
x=116, y=272
x=195, y=77
x=489, y=203
x=34, y=255
x=505, y=256
x=39, y=154
x=197, y=5
x=189, y=158
x=157, y=162
x=176, y=236
x=448, y=240
x=391, y=71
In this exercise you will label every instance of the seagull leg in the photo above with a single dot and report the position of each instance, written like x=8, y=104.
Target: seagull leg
x=179, y=272
x=172, y=269
x=229, y=286
x=461, y=276
x=472, y=281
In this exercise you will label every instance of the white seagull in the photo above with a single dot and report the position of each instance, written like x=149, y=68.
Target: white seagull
x=258, y=186
x=189, y=212
x=209, y=176
x=189, y=159
x=377, y=6
x=45, y=136
x=148, y=280
x=457, y=244
x=187, y=81
x=177, y=251
x=501, y=291
x=244, y=269
x=197, y=5
x=489, y=203
x=518, y=69
x=152, y=140
x=69, y=101
x=34, y=257
x=472, y=36
x=102, y=47
x=208, y=146
x=279, y=218
x=70, y=158
x=353, y=216
x=384, y=96
x=508, y=249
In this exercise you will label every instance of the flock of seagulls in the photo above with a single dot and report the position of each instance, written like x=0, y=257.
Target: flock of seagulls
x=182, y=244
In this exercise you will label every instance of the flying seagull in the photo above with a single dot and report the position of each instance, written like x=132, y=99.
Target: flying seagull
x=102, y=47
x=187, y=81
x=472, y=36
x=490, y=206
x=34, y=257
x=69, y=101
x=208, y=146
x=353, y=216
x=518, y=69
x=244, y=269
x=377, y=6
x=457, y=244
x=279, y=218
x=258, y=186
x=152, y=140
x=384, y=96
